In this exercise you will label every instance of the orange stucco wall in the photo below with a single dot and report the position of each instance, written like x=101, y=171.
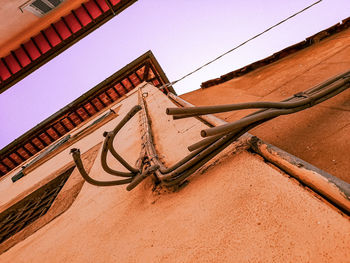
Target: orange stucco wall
x=238, y=210
x=319, y=135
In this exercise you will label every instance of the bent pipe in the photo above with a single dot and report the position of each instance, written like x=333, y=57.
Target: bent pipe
x=308, y=92
x=221, y=144
x=269, y=114
x=255, y=122
x=208, y=140
x=208, y=151
x=312, y=96
x=298, y=169
x=140, y=177
x=120, y=159
x=164, y=172
x=236, y=133
x=104, y=160
x=188, y=164
x=113, y=133
x=204, y=142
x=224, y=143
x=186, y=112
x=76, y=157
x=149, y=144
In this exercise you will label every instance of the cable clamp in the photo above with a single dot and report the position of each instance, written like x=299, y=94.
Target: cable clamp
x=301, y=95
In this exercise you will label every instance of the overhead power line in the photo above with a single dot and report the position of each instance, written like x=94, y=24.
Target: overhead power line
x=240, y=45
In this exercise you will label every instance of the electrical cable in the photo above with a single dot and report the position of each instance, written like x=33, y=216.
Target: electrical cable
x=240, y=45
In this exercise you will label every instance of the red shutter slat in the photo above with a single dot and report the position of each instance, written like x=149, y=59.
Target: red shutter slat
x=7, y=162
x=22, y=57
x=42, y=43
x=120, y=89
x=12, y=63
x=52, y=36
x=32, y=50
x=72, y=23
x=4, y=73
x=103, y=5
x=127, y=84
x=62, y=29
x=93, y=9
x=83, y=16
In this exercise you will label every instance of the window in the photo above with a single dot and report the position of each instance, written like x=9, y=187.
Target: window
x=31, y=208
x=41, y=7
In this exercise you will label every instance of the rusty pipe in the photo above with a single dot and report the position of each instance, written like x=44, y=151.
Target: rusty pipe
x=113, y=133
x=179, y=113
x=141, y=176
x=104, y=160
x=77, y=160
x=190, y=170
x=272, y=113
x=192, y=161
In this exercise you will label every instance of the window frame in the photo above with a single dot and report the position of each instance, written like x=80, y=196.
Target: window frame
x=37, y=11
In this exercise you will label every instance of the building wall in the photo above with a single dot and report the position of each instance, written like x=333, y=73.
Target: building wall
x=9, y=190
x=236, y=209
x=318, y=135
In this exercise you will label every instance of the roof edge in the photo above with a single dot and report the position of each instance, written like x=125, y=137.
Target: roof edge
x=123, y=71
x=316, y=38
x=64, y=44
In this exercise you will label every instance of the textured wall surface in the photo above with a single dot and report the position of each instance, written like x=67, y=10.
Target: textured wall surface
x=319, y=135
x=238, y=210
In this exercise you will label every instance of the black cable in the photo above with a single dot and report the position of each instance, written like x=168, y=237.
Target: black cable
x=238, y=46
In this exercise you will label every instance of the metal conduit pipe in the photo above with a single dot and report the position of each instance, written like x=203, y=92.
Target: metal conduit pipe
x=297, y=96
x=134, y=177
x=237, y=132
x=141, y=176
x=320, y=93
x=186, y=112
x=225, y=143
x=113, y=133
x=203, y=143
x=208, y=140
x=328, y=82
x=272, y=113
x=76, y=157
x=209, y=119
x=219, y=137
x=120, y=159
x=194, y=160
x=104, y=159
x=198, y=157
x=163, y=172
x=330, y=187
x=148, y=142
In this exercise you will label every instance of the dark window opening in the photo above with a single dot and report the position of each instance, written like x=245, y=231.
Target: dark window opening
x=31, y=208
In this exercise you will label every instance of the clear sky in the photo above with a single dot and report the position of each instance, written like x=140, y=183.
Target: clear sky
x=182, y=34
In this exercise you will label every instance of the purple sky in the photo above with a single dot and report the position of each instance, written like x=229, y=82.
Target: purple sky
x=182, y=34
